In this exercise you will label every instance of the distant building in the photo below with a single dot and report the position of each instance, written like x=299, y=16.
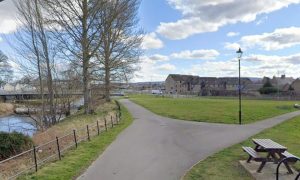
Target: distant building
x=282, y=83
x=188, y=84
x=295, y=86
x=17, y=87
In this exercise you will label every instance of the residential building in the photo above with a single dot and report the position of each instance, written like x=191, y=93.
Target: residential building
x=282, y=83
x=189, y=84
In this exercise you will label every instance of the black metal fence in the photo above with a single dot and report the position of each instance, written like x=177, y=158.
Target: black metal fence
x=31, y=160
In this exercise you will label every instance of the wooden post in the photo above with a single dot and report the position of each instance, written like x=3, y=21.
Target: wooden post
x=105, y=124
x=98, y=130
x=58, y=149
x=75, y=139
x=88, y=132
x=35, y=160
x=117, y=118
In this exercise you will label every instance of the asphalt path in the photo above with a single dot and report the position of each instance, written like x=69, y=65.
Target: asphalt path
x=160, y=148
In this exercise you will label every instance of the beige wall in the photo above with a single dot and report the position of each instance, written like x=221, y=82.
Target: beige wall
x=170, y=85
x=296, y=85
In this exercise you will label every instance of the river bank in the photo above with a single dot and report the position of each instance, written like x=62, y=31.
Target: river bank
x=14, y=117
x=6, y=109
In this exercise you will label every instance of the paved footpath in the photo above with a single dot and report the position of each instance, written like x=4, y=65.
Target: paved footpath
x=160, y=148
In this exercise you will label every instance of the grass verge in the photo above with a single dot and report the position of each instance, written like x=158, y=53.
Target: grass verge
x=225, y=165
x=75, y=161
x=212, y=109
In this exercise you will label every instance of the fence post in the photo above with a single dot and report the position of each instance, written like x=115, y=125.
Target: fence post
x=105, y=123
x=75, y=139
x=88, y=132
x=98, y=130
x=112, y=123
x=35, y=160
x=117, y=118
x=58, y=149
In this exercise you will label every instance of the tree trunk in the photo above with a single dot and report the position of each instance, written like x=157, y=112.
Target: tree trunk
x=86, y=89
x=44, y=42
x=107, y=82
x=85, y=58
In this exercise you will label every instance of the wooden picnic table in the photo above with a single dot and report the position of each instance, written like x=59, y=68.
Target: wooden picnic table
x=273, y=149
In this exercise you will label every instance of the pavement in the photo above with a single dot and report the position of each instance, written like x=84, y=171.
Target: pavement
x=160, y=148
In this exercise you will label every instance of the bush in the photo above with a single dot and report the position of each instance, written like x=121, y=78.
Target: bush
x=268, y=90
x=13, y=143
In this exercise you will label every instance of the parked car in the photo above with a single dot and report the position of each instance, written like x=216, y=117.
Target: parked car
x=156, y=92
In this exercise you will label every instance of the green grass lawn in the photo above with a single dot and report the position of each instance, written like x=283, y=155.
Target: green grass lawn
x=75, y=161
x=225, y=165
x=212, y=109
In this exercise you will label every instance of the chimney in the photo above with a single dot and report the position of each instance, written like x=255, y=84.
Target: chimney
x=283, y=76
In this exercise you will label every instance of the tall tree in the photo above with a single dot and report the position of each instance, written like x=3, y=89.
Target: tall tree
x=77, y=28
x=120, y=49
x=35, y=47
x=6, y=72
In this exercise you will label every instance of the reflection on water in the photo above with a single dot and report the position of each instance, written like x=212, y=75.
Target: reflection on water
x=25, y=124
x=17, y=123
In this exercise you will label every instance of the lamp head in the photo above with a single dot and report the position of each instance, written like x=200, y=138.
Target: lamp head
x=239, y=53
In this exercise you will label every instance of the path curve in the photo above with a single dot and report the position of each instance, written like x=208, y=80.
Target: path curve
x=160, y=148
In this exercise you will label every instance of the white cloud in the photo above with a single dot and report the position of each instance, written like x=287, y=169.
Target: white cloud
x=148, y=72
x=232, y=34
x=278, y=39
x=215, y=69
x=185, y=27
x=205, y=54
x=8, y=12
x=166, y=67
x=210, y=15
x=255, y=65
x=151, y=41
x=154, y=58
x=232, y=46
x=290, y=59
x=159, y=57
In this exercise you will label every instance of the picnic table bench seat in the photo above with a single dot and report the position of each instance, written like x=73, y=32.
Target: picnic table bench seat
x=253, y=155
x=288, y=157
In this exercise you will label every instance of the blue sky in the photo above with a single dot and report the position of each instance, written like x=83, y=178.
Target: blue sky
x=255, y=26
x=201, y=37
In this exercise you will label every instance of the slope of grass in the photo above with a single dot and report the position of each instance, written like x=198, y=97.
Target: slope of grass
x=75, y=121
x=225, y=165
x=74, y=162
x=213, y=109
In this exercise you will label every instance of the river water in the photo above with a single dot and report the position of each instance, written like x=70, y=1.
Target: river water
x=17, y=123
x=26, y=125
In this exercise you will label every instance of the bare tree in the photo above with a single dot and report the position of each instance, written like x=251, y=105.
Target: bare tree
x=77, y=28
x=35, y=47
x=120, y=49
x=6, y=71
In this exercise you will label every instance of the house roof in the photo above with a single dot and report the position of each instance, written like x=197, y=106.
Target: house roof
x=194, y=80
x=179, y=77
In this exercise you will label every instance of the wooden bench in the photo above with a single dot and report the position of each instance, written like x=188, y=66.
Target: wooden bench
x=253, y=155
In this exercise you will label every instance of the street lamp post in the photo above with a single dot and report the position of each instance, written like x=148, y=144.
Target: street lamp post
x=239, y=55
